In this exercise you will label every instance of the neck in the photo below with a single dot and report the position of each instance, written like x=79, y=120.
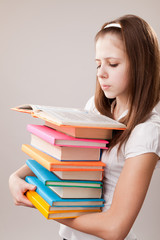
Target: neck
x=120, y=107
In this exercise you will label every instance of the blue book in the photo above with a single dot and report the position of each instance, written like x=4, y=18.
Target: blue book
x=54, y=200
x=50, y=179
x=65, y=188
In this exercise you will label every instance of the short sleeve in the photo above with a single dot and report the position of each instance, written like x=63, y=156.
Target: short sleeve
x=144, y=138
x=90, y=105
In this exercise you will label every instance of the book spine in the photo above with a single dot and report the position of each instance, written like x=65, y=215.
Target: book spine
x=37, y=204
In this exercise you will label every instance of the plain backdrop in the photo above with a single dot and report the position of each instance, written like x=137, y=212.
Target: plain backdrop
x=47, y=57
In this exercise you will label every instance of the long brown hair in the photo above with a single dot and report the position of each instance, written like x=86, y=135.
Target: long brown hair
x=142, y=48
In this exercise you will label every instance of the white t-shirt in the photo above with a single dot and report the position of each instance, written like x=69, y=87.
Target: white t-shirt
x=144, y=138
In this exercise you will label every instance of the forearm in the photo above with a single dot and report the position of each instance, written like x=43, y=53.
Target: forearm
x=103, y=225
x=23, y=172
x=115, y=223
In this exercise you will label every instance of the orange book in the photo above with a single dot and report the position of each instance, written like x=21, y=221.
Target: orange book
x=82, y=132
x=52, y=163
x=86, y=170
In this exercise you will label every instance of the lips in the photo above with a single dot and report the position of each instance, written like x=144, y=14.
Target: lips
x=105, y=87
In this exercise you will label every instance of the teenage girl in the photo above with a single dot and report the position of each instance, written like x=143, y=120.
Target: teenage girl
x=128, y=89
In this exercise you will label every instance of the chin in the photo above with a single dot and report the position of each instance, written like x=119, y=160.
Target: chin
x=110, y=96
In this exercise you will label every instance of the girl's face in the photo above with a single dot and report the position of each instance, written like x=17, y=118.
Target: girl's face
x=112, y=66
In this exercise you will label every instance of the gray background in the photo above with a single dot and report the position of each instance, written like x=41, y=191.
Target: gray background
x=47, y=57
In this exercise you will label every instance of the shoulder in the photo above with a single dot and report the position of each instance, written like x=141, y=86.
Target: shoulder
x=149, y=128
x=90, y=105
x=145, y=137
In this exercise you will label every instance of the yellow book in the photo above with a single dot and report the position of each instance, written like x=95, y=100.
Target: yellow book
x=49, y=212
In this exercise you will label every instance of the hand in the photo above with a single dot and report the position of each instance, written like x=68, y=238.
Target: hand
x=18, y=188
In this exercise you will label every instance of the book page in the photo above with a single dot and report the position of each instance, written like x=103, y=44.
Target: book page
x=70, y=116
x=33, y=107
x=77, y=117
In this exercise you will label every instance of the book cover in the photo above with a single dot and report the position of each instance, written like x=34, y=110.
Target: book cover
x=50, y=179
x=64, y=191
x=38, y=202
x=57, y=138
x=54, y=200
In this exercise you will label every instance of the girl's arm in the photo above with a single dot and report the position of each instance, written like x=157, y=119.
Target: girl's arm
x=18, y=186
x=131, y=189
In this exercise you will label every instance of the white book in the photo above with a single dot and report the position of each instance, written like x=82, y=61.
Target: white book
x=62, y=116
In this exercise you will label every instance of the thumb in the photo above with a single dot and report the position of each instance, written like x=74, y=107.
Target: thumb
x=32, y=187
x=28, y=186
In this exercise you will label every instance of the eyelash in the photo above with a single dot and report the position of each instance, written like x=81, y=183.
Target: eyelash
x=111, y=65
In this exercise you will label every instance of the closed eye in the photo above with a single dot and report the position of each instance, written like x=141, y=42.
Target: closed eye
x=113, y=65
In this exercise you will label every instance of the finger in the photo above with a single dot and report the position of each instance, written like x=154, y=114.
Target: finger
x=28, y=186
x=23, y=201
x=30, y=205
x=27, y=202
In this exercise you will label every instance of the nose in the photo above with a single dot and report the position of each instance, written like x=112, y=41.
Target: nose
x=102, y=72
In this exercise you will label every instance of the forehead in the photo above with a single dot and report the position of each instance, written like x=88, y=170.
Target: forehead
x=110, y=45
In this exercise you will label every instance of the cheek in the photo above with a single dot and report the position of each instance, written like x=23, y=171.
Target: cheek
x=99, y=80
x=126, y=79
x=123, y=77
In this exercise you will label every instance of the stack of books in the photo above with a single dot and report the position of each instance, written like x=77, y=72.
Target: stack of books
x=65, y=158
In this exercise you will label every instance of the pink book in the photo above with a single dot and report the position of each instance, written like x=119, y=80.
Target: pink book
x=60, y=139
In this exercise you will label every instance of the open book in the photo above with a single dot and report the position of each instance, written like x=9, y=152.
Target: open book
x=74, y=117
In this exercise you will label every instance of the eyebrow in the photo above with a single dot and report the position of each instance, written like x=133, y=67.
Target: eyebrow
x=96, y=59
